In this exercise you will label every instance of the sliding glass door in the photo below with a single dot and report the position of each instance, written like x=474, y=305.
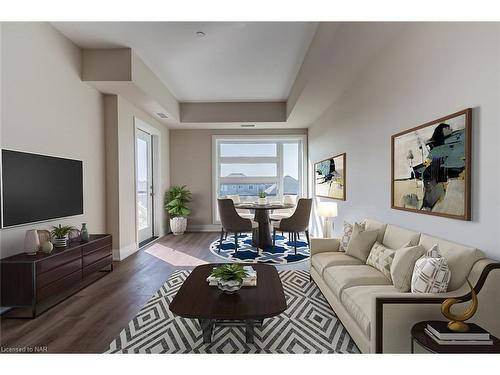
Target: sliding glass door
x=144, y=185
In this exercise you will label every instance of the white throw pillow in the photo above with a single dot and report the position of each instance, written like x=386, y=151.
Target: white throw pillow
x=431, y=273
x=347, y=234
x=403, y=264
x=381, y=258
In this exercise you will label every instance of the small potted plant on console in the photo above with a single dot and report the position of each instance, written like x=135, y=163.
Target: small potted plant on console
x=59, y=235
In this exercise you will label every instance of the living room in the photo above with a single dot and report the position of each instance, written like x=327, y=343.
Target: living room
x=297, y=186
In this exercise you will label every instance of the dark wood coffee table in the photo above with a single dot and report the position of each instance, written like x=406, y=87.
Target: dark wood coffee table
x=250, y=305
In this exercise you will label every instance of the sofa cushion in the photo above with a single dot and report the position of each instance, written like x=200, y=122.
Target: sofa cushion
x=431, y=273
x=403, y=264
x=371, y=224
x=460, y=258
x=339, y=278
x=347, y=234
x=396, y=237
x=322, y=260
x=361, y=243
x=381, y=258
x=359, y=301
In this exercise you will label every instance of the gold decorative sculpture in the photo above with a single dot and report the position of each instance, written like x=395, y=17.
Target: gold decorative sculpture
x=457, y=321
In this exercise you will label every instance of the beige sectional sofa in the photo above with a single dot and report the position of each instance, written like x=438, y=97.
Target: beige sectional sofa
x=378, y=316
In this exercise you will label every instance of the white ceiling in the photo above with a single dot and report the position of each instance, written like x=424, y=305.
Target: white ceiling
x=235, y=61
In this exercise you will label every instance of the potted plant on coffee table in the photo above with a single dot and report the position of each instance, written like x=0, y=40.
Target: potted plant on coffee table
x=230, y=277
x=59, y=235
x=176, y=199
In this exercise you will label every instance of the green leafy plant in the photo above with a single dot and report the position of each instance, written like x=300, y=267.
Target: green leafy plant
x=228, y=272
x=176, y=199
x=61, y=231
x=262, y=194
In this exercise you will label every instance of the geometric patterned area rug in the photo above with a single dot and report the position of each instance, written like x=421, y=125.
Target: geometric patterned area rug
x=282, y=253
x=309, y=325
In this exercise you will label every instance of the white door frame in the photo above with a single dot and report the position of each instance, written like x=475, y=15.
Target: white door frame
x=140, y=124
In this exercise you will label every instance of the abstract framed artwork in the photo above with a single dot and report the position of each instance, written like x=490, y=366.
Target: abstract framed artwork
x=431, y=167
x=330, y=177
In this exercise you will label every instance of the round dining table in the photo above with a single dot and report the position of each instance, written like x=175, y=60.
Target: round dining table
x=262, y=217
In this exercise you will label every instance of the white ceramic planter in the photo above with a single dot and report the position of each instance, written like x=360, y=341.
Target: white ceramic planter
x=178, y=225
x=60, y=242
x=229, y=286
x=262, y=201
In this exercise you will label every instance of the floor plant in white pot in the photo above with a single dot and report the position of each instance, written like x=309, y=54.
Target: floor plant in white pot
x=176, y=199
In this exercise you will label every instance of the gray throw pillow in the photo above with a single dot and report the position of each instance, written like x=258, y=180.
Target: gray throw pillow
x=361, y=243
x=403, y=264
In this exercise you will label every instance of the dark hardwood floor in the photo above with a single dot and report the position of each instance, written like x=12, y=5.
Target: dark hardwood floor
x=89, y=320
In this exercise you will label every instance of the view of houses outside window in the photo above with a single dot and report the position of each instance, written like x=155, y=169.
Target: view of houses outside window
x=247, y=167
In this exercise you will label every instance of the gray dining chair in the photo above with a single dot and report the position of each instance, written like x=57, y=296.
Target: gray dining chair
x=298, y=222
x=232, y=222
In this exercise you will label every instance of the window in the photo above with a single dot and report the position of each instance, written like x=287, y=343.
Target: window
x=248, y=165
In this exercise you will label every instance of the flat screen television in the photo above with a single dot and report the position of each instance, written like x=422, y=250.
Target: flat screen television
x=39, y=187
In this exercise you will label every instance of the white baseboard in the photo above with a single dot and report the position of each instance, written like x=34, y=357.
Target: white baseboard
x=204, y=228
x=121, y=254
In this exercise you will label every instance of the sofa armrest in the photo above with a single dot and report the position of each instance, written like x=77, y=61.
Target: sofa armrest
x=394, y=315
x=324, y=245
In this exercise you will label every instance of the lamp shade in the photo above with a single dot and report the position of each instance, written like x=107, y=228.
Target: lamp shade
x=327, y=209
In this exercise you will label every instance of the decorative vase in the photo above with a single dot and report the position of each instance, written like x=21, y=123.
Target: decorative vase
x=74, y=235
x=229, y=286
x=178, y=225
x=60, y=242
x=31, y=241
x=262, y=201
x=47, y=247
x=84, y=233
x=43, y=235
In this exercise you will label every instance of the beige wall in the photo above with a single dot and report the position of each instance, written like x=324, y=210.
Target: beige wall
x=47, y=109
x=428, y=71
x=122, y=209
x=191, y=165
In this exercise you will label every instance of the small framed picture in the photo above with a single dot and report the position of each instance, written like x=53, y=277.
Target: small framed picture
x=330, y=177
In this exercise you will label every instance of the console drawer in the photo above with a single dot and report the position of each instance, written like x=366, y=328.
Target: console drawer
x=88, y=248
x=58, y=260
x=97, y=266
x=58, y=273
x=58, y=286
x=94, y=256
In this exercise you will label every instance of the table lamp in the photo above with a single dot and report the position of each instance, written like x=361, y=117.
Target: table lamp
x=328, y=210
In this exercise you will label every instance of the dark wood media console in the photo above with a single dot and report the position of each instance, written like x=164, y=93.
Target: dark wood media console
x=32, y=284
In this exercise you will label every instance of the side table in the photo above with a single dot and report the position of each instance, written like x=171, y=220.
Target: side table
x=419, y=336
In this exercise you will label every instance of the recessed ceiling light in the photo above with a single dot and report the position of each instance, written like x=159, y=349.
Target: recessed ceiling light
x=201, y=34
x=247, y=126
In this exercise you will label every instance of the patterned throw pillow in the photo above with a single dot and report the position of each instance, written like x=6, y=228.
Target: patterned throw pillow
x=347, y=234
x=431, y=273
x=381, y=258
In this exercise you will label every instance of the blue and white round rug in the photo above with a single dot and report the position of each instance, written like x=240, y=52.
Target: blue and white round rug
x=283, y=253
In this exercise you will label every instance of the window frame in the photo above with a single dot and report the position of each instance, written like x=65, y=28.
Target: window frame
x=217, y=160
